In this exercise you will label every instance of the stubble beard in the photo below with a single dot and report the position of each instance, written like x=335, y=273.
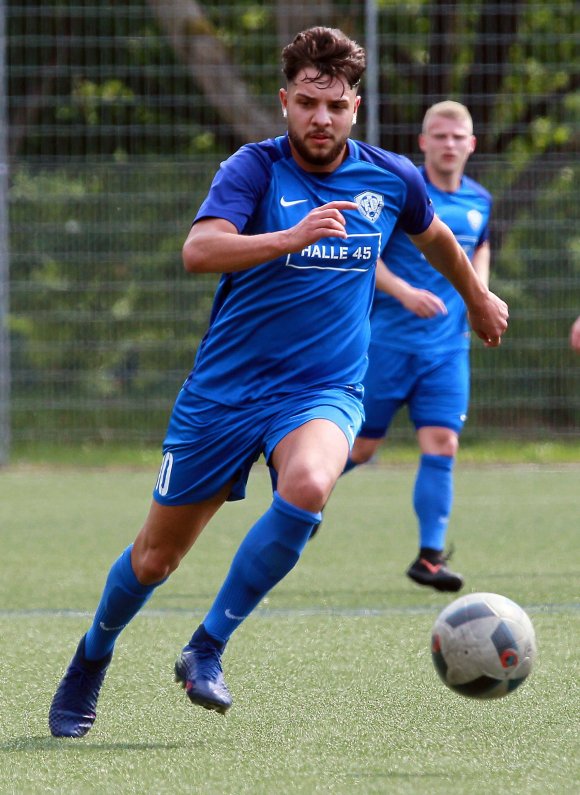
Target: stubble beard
x=323, y=159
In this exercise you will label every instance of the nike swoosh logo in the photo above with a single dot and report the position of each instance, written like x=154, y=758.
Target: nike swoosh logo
x=285, y=203
x=433, y=567
x=105, y=628
x=233, y=617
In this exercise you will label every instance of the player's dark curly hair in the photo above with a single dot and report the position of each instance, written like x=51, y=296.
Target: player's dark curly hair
x=329, y=51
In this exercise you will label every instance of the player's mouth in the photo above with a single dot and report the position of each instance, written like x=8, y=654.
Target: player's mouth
x=320, y=137
x=449, y=160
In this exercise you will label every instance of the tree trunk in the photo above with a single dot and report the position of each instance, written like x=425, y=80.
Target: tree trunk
x=198, y=47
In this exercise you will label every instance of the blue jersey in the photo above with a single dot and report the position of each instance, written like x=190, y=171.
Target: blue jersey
x=466, y=212
x=301, y=321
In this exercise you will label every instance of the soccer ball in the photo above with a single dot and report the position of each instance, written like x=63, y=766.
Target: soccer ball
x=483, y=645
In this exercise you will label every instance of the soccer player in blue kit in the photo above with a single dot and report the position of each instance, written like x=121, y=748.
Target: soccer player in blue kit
x=295, y=225
x=419, y=350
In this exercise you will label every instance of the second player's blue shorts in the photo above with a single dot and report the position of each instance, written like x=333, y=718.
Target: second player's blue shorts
x=208, y=444
x=435, y=389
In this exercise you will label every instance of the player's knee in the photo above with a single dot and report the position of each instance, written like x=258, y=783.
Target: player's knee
x=448, y=445
x=308, y=489
x=154, y=565
x=363, y=450
x=361, y=456
x=453, y=446
x=439, y=441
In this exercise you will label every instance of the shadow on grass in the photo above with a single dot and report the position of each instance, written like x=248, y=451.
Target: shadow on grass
x=58, y=745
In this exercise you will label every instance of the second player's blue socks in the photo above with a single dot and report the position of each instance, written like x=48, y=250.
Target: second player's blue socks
x=433, y=499
x=268, y=552
x=122, y=599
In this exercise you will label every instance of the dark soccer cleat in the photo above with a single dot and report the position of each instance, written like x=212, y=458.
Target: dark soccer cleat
x=433, y=572
x=199, y=670
x=74, y=706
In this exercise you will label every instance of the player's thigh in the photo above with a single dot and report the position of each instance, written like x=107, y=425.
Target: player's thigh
x=308, y=446
x=441, y=394
x=317, y=445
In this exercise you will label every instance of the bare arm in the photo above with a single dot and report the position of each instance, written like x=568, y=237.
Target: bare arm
x=215, y=246
x=422, y=303
x=575, y=335
x=487, y=313
x=480, y=262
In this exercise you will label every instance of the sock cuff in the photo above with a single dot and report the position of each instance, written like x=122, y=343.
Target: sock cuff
x=280, y=504
x=201, y=635
x=128, y=576
x=438, y=461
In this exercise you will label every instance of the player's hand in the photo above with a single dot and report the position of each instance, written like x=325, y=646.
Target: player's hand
x=324, y=221
x=575, y=336
x=489, y=320
x=423, y=303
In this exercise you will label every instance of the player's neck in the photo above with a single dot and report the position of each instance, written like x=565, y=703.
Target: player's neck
x=445, y=182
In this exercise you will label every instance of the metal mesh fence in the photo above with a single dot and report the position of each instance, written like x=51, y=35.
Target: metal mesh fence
x=118, y=115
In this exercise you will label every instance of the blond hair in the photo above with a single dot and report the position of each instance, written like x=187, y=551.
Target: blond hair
x=451, y=110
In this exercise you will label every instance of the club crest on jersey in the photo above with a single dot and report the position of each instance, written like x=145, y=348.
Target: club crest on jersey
x=370, y=205
x=475, y=218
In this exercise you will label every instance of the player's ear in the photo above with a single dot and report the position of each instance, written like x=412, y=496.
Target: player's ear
x=473, y=144
x=357, y=100
x=422, y=142
x=283, y=95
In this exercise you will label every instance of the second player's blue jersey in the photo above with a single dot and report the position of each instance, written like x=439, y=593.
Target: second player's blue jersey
x=301, y=321
x=466, y=212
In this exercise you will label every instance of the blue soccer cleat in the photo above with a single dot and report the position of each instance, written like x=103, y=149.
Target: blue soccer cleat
x=199, y=670
x=74, y=706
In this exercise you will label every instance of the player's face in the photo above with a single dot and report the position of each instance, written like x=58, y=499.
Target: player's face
x=447, y=144
x=320, y=118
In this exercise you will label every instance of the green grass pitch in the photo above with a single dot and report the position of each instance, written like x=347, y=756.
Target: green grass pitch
x=334, y=689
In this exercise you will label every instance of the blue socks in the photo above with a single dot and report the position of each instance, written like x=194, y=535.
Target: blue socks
x=122, y=599
x=269, y=551
x=433, y=499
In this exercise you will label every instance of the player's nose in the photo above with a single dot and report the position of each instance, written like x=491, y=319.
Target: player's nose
x=321, y=116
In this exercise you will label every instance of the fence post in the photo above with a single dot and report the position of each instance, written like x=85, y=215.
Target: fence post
x=372, y=73
x=4, y=253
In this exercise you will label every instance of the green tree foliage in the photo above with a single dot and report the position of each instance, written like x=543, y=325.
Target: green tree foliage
x=115, y=132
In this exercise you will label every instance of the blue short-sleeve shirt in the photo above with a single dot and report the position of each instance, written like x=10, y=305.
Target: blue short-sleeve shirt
x=466, y=212
x=301, y=321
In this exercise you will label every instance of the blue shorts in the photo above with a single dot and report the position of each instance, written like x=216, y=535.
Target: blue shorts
x=209, y=444
x=434, y=387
